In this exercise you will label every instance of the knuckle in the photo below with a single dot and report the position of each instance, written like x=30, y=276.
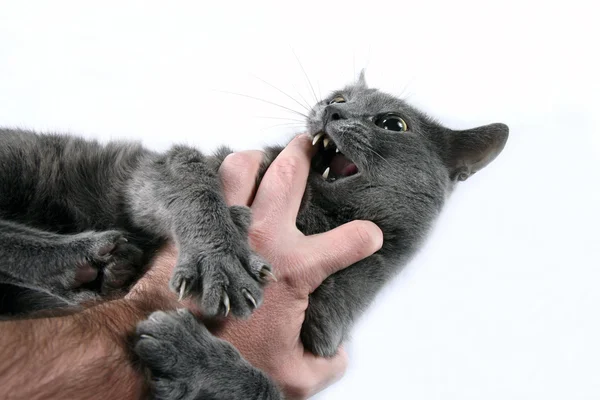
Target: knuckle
x=293, y=388
x=300, y=392
x=241, y=160
x=287, y=167
x=343, y=363
x=260, y=235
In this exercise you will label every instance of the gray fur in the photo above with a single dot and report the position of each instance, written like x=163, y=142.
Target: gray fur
x=188, y=362
x=403, y=182
x=64, y=200
x=59, y=197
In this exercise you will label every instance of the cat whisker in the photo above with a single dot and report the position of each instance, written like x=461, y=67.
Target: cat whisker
x=319, y=90
x=265, y=101
x=379, y=155
x=285, y=119
x=403, y=91
x=286, y=124
x=306, y=76
x=282, y=92
x=302, y=97
x=408, y=96
x=290, y=125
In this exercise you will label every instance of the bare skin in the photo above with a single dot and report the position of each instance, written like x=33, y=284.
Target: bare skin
x=86, y=355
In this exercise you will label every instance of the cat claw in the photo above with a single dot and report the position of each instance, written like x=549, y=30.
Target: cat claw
x=250, y=298
x=226, y=304
x=182, y=291
x=152, y=318
x=267, y=275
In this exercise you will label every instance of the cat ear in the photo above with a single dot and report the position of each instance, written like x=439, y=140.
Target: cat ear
x=362, y=82
x=473, y=149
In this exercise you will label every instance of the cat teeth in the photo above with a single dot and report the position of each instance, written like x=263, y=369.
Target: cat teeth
x=326, y=141
x=326, y=173
x=317, y=137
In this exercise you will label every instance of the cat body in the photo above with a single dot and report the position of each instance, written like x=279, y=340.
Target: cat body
x=66, y=206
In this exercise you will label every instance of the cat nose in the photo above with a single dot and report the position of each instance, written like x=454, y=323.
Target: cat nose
x=332, y=113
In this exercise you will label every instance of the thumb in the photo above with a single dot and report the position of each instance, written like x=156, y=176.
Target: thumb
x=325, y=371
x=329, y=252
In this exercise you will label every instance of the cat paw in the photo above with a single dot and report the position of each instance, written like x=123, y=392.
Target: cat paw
x=241, y=217
x=222, y=282
x=106, y=256
x=322, y=333
x=228, y=277
x=187, y=362
x=120, y=266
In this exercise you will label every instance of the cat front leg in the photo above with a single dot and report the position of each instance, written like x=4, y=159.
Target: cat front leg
x=188, y=363
x=336, y=304
x=61, y=264
x=178, y=195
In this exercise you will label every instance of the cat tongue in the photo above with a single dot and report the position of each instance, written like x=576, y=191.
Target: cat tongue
x=341, y=166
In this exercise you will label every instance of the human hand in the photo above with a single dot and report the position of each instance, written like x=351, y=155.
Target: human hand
x=270, y=339
x=152, y=289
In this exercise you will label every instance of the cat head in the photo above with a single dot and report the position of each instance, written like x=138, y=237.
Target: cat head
x=375, y=148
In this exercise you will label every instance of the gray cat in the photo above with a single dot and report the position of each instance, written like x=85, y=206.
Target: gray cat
x=79, y=220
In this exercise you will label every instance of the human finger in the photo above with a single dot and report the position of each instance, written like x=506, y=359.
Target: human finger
x=331, y=251
x=325, y=371
x=238, y=174
x=280, y=193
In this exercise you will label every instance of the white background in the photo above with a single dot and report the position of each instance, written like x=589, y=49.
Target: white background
x=503, y=301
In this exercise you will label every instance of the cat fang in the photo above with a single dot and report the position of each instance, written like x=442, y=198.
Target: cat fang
x=337, y=165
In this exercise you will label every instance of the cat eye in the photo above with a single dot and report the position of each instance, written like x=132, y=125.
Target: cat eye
x=391, y=122
x=337, y=99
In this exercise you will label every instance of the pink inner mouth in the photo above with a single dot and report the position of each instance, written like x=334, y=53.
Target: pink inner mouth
x=341, y=166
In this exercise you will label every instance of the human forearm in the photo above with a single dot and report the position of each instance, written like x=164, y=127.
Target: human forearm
x=79, y=356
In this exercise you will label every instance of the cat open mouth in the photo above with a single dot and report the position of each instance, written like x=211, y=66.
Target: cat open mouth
x=329, y=161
